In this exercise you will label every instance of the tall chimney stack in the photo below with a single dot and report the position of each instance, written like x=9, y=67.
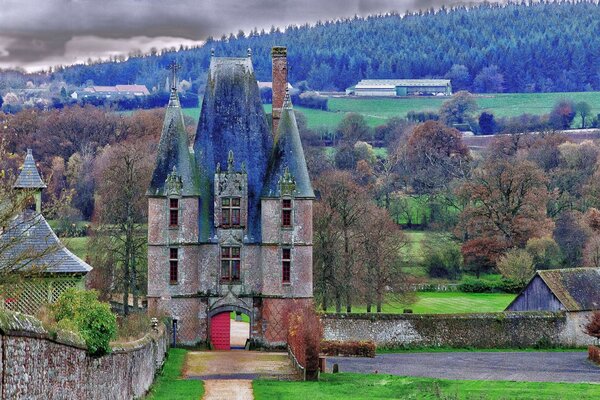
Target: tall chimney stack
x=279, y=57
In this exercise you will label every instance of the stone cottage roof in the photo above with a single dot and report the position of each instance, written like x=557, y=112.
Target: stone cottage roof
x=30, y=240
x=174, y=155
x=232, y=118
x=288, y=157
x=29, y=178
x=578, y=289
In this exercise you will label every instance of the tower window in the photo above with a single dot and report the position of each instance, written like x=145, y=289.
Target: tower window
x=230, y=212
x=286, y=264
x=173, y=213
x=286, y=213
x=173, y=265
x=230, y=264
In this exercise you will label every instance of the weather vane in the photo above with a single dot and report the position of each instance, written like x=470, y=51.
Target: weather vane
x=174, y=67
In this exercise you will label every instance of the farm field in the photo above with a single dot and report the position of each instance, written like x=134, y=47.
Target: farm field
x=447, y=303
x=378, y=386
x=77, y=245
x=378, y=110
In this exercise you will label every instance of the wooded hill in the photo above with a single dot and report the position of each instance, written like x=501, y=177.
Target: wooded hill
x=526, y=47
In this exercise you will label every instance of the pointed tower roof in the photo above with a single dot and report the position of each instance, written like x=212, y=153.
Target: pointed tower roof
x=174, y=155
x=287, y=167
x=29, y=178
x=232, y=118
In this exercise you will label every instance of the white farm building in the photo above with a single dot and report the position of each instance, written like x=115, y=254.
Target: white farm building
x=401, y=87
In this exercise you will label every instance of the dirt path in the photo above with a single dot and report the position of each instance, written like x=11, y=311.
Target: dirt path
x=231, y=389
x=238, y=364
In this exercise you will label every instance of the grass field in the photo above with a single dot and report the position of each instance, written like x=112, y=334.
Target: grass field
x=77, y=245
x=447, y=303
x=374, y=386
x=169, y=385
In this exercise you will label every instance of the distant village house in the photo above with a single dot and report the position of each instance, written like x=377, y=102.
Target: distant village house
x=111, y=91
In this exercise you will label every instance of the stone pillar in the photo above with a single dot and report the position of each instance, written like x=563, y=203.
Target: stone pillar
x=279, y=57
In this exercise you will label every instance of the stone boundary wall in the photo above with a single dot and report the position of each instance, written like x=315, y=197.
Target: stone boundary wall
x=486, y=330
x=36, y=365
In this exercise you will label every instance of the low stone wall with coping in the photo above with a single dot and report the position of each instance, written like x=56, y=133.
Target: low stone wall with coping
x=38, y=365
x=485, y=330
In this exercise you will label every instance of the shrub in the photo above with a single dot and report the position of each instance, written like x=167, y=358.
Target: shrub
x=133, y=326
x=476, y=286
x=517, y=264
x=80, y=311
x=348, y=348
x=442, y=258
x=304, y=336
x=592, y=327
x=98, y=326
x=594, y=354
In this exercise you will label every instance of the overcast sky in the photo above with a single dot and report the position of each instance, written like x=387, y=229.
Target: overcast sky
x=39, y=33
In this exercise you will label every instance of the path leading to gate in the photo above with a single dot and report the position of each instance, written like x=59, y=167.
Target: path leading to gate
x=510, y=366
x=229, y=374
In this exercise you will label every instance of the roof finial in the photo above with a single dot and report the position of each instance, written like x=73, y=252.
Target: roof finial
x=230, y=161
x=249, y=52
x=174, y=67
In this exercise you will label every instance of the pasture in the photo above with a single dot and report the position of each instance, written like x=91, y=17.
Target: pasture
x=377, y=110
x=446, y=303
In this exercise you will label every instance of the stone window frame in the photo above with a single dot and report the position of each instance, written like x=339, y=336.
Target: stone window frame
x=173, y=265
x=286, y=263
x=229, y=210
x=231, y=258
x=174, y=209
x=287, y=213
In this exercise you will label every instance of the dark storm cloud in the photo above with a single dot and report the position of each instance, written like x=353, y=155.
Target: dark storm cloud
x=38, y=33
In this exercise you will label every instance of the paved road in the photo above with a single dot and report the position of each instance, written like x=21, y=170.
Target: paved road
x=517, y=366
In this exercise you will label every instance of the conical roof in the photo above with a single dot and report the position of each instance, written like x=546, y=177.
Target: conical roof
x=287, y=161
x=232, y=119
x=29, y=178
x=174, y=154
x=30, y=244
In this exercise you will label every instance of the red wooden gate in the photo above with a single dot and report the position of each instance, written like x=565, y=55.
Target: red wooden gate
x=220, y=331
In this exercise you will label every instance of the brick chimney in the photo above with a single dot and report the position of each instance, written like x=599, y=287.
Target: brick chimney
x=279, y=57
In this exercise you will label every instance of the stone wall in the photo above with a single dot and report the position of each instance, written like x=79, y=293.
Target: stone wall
x=35, y=365
x=500, y=330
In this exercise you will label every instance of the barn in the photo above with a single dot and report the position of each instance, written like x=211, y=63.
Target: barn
x=401, y=87
x=573, y=290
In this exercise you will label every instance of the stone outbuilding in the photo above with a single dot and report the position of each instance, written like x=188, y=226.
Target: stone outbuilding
x=230, y=218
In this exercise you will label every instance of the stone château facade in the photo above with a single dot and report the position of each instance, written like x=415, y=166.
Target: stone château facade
x=230, y=219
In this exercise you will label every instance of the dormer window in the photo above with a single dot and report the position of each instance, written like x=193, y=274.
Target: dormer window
x=230, y=212
x=286, y=213
x=173, y=213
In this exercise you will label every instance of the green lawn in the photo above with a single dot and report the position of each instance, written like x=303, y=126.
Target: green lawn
x=77, y=245
x=374, y=386
x=447, y=303
x=169, y=385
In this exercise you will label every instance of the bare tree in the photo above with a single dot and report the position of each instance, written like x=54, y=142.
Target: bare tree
x=122, y=173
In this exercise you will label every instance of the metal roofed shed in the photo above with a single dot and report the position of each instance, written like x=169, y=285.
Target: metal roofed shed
x=402, y=87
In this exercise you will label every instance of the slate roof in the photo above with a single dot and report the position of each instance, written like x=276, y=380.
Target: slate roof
x=288, y=153
x=29, y=238
x=232, y=118
x=392, y=83
x=29, y=178
x=578, y=289
x=174, y=152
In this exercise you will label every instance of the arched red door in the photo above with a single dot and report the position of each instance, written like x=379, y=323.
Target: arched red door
x=220, y=331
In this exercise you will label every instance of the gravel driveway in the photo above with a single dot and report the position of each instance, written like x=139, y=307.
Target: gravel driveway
x=510, y=366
